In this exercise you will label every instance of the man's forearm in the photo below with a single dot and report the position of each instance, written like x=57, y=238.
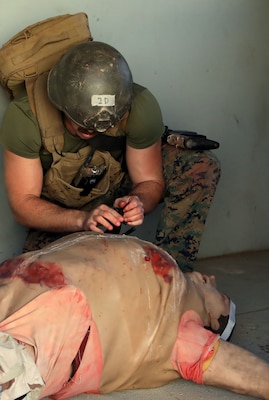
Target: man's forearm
x=150, y=194
x=43, y=215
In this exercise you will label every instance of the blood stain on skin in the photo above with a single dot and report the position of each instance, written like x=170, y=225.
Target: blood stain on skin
x=106, y=244
x=42, y=272
x=161, y=263
x=8, y=267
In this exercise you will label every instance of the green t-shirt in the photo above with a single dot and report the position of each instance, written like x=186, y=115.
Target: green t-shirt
x=21, y=135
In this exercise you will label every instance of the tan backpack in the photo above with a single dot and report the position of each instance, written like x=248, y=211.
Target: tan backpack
x=35, y=50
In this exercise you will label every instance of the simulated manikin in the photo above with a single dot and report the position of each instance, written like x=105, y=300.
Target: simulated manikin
x=97, y=313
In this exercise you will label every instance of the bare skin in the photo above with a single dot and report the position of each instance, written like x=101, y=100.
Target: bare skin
x=24, y=178
x=236, y=369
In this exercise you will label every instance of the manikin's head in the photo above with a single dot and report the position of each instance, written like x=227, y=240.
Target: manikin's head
x=220, y=308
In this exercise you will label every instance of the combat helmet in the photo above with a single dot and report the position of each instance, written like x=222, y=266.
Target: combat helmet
x=92, y=85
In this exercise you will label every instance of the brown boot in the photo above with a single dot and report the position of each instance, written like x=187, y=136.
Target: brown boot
x=238, y=370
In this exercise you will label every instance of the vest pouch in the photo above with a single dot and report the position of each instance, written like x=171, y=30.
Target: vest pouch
x=57, y=181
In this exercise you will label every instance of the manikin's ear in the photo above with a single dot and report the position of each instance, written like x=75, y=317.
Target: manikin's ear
x=211, y=311
x=214, y=323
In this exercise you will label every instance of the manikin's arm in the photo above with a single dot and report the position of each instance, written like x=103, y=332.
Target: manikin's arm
x=201, y=356
x=236, y=369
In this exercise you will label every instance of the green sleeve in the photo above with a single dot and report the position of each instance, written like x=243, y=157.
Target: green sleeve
x=145, y=125
x=19, y=132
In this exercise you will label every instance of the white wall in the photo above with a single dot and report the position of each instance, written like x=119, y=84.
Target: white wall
x=207, y=63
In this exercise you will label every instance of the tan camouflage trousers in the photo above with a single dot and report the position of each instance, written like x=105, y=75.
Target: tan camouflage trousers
x=191, y=179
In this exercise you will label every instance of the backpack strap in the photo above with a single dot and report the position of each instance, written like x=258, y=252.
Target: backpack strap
x=49, y=118
x=29, y=86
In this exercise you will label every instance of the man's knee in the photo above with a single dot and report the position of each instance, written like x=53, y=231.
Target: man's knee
x=191, y=168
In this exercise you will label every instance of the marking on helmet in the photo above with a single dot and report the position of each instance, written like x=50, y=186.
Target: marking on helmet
x=100, y=100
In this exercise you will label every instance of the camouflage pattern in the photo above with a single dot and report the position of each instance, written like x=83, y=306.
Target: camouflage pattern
x=35, y=240
x=191, y=179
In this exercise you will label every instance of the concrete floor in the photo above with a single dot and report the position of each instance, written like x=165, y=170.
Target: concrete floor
x=245, y=278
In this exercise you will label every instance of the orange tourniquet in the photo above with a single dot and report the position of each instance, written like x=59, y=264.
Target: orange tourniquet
x=194, y=346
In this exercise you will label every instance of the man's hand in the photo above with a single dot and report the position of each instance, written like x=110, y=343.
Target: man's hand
x=102, y=218
x=127, y=209
x=132, y=209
